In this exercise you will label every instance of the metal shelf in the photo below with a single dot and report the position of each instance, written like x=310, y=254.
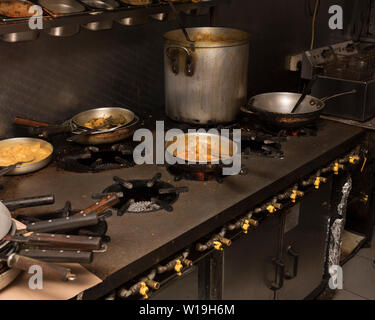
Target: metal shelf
x=116, y=14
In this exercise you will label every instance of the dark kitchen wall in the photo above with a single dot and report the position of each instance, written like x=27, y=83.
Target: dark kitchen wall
x=51, y=79
x=278, y=28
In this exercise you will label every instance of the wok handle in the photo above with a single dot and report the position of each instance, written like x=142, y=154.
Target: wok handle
x=49, y=270
x=29, y=202
x=338, y=95
x=65, y=241
x=29, y=123
x=58, y=256
x=64, y=224
x=100, y=206
x=172, y=54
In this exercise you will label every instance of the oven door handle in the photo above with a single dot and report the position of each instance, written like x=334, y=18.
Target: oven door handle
x=280, y=271
x=295, y=255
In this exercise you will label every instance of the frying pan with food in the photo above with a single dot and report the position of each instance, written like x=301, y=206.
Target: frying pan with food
x=36, y=154
x=201, y=151
x=94, y=126
x=275, y=108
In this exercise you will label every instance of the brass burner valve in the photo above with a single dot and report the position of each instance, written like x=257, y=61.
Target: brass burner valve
x=218, y=245
x=253, y=222
x=271, y=208
x=178, y=267
x=245, y=226
x=143, y=290
x=354, y=159
x=318, y=181
x=336, y=167
x=295, y=194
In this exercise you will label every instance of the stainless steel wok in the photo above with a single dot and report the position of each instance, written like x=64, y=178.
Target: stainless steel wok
x=275, y=108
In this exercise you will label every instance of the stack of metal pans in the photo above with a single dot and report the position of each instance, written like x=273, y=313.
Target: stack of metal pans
x=103, y=5
x=63, y=7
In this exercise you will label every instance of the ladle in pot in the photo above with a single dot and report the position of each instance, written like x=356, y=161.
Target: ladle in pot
x=181, y=23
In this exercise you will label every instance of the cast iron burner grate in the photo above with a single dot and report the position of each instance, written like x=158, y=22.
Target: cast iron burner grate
x=96, y=158
x=180, y=174
x=143, y=196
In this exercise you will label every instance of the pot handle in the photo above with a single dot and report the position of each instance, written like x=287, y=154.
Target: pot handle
x=338, y=95
x=172, y=54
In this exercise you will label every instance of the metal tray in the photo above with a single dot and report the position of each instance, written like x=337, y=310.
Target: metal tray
x=6, y=18
x=62, y=7
x=101, y=4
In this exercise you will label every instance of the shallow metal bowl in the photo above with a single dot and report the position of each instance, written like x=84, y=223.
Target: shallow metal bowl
x=284, y=102
x=29, y=167
x=85, y=116
x=215, y=140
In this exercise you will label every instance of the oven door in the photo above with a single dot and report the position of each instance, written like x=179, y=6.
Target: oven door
x=305, y=232
x=249, y=263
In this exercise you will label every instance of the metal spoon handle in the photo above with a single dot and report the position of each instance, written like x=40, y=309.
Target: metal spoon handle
x=304, y=93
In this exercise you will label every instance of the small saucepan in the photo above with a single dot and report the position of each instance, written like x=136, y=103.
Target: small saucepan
x=275, y=108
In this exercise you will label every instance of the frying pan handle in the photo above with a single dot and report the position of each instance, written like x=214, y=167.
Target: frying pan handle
x=45, y=132
x=49, y=270
x=338, y=95
x=29, y=202
x=29, y=123
x=172, y=54
x=64, y=224
x=64, y=241
x=58, y=256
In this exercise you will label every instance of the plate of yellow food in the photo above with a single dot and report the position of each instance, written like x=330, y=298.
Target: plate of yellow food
x=28, y=154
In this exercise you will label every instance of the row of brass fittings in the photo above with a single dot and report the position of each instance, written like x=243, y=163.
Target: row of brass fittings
x=141, y=287
x=273, y=206
x=217, y=241
x=144, y=284
x=245, y=223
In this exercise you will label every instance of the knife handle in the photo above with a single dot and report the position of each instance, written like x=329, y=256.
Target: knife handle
x=101, y=205
x=65, y=241
x=49, y=270
x=29, y=202
x=59, y=256
x=64, y=224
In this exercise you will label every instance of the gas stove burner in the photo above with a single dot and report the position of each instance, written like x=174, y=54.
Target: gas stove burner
x=255, y=143
x=96, y=158
x=143, y=196
x=180, y=174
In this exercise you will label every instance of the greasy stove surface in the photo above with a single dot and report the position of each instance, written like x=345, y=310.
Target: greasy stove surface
x=140, y=241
